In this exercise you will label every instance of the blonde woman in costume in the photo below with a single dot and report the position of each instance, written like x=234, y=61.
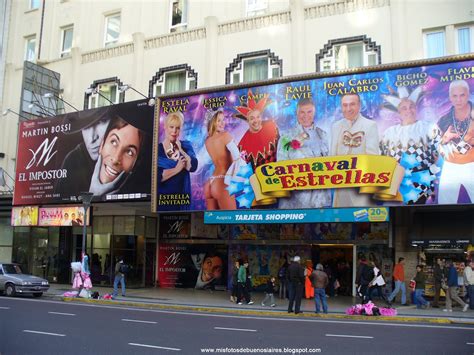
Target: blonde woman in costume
x=226, y=159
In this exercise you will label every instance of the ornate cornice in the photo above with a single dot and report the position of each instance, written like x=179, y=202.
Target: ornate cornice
x=159, y=74
x=96, y=83
x=175, y=38
x=342, y=7
x=237, y=62
x=107, y=53
x=253, y=23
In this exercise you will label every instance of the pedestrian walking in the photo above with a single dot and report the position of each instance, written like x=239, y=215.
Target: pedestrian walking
x=399, y=280
x=439, y=276
x=282, y=280
x=235, y=285
x=269, y=291
x=295, y=285
x=365, y=275
x=469, y=282
x=120, y=270
x=377, y=284
x=420, y=279
x=319, y=280
x=452, y=291
x=242, y=284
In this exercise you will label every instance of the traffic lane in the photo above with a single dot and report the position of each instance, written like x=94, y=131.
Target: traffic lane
x=170, y=328
x=93, y=330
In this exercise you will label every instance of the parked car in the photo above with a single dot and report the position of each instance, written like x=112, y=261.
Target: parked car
x=13, y=281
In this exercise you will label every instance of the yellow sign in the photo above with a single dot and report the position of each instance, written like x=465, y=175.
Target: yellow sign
x=373, y=174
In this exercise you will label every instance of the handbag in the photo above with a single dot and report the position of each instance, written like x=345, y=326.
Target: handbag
x=412, y=284
x=444, y=284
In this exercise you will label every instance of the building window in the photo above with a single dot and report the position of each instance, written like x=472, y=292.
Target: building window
x=30, y=49
x=435, y=45
x=66, y=41
x=464, y=39
x=34, y=4
x=254, y=66
x=344, y=53
x=173, y=79
x=104, y=93
x=112, y=29
x=178, y=15
x=256, y=7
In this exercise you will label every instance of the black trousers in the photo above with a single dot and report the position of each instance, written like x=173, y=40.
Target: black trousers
x=295, y=291
x=242, y=292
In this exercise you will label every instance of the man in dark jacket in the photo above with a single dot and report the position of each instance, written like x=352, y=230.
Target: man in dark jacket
x=365, y=274
x=319, y=280
x=438, y=274
x=295, y=278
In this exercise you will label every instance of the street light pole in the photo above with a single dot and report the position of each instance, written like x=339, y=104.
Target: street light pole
x=86, y=198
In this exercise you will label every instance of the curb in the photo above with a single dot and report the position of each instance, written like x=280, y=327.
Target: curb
x=401, y=319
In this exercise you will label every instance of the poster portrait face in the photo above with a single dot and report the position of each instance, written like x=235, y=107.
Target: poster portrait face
x=119, y=151
x=93, y=136
x=305, y=114
x=350, y=105
x=255, y=121
x=211, y=268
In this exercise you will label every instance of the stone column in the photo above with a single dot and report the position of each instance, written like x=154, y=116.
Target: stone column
x=137, y=68
x=297, y=28
x=209, y=77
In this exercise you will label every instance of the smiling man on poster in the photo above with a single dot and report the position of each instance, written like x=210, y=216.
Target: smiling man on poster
x=305, y=140
x=354, y=134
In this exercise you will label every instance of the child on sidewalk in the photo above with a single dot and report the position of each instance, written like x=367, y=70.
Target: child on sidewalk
x=269, y=292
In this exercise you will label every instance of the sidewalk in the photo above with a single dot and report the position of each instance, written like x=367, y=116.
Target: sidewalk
x=219, y=301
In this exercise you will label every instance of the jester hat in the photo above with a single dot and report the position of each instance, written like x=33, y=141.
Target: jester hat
x=252, y=105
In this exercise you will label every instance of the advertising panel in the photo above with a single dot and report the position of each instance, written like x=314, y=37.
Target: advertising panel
x=106, y=151
x=192, y=266
x=62, y=216
x=394, y=135
x=24, y=216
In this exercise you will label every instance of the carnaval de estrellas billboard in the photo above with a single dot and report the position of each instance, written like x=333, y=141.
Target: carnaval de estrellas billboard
x=106, y=151
x=394, y=135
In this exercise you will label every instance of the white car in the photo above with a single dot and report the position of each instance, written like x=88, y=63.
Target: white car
x=13, y=281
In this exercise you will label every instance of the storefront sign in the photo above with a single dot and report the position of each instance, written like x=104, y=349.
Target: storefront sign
x=106, y=151
x=24, y=216
x=62, y=216
x=441, y=242
x=383, y=137
x=379, y=214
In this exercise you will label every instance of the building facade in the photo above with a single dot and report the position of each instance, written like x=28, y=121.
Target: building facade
x=105, y=54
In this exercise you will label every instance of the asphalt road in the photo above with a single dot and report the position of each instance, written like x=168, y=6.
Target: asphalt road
x=31, y=326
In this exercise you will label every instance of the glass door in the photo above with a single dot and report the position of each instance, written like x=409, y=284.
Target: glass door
x=39, y=252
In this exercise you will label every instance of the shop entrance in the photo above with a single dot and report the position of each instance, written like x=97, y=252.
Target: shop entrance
x=337, y=260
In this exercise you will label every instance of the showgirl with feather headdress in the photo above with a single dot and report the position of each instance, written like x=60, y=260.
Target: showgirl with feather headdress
x=413, y=143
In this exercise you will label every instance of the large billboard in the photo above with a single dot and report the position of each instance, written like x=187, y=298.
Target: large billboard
x=389, y=136
x=106, y=151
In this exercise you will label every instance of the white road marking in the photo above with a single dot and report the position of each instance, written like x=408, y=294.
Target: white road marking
x=136, y=309
x=139, y=321
x=236, y=329
x=154, y=346
x=470, y=343
x=44, y=333
x=349, y=336
x=62, y=314
x=4, y=307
